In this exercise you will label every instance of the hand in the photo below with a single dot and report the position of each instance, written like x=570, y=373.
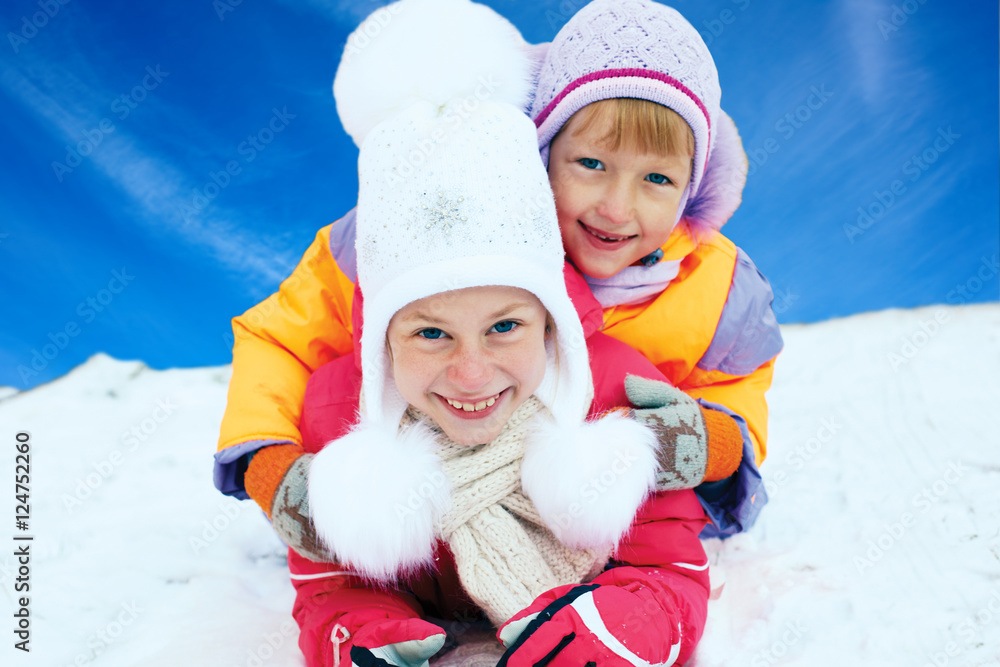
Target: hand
x=679, y=425
x=409, y=643
x=592, y=625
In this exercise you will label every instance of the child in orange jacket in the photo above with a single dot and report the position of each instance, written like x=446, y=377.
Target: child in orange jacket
x=645, y=168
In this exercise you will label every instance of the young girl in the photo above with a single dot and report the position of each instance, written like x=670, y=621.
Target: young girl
x=625, y=88
x=472, y=484
x=646, y=168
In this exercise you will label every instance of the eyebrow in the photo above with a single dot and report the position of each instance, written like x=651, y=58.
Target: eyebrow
x=430, y=319
x=503, y=312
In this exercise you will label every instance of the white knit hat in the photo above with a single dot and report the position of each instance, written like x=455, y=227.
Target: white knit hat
x=452, y=194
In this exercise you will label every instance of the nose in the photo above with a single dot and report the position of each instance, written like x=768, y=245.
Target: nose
x=470, y=368
x=616, y=205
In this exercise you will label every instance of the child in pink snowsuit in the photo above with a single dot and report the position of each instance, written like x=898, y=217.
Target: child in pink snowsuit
x=471, y=463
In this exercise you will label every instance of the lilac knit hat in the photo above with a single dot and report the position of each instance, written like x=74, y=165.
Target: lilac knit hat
x=645, y=50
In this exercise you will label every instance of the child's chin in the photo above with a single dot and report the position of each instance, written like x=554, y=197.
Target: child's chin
x=470, y=434
x=599, y=267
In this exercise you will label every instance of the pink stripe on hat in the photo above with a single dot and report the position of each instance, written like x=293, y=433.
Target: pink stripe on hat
x=629, y=72
x=638, y=84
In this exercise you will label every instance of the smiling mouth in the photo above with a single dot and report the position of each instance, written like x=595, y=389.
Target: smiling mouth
x=477, y=406
x=604, y=236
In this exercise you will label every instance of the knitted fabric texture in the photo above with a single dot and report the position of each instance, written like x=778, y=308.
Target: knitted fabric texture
x=504, y=555
x=290, y=512
x=630, y=48
x=266, y=471
x=478, y=211
x=679, y=425
x=725, y=445
x=451, y=191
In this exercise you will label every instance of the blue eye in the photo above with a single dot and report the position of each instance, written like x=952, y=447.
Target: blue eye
x=430, y=333
x=590, y=163
x=659, y=179
x=503, y=327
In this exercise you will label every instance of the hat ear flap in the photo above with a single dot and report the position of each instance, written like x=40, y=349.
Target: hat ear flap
x=721, y=189
x=588, y=480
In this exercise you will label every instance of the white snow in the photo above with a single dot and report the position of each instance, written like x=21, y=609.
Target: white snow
x=880, y=545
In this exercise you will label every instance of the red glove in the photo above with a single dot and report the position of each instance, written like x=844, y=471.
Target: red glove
x=594, y=624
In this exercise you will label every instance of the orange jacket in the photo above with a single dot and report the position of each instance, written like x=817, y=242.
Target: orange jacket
x=711, y=332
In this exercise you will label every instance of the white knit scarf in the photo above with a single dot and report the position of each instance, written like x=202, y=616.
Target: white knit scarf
x=505, y=556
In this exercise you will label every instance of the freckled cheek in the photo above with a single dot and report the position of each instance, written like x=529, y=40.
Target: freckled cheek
x=413, y=375
x=528, y=367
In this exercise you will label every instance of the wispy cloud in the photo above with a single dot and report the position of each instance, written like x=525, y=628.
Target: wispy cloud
x=886, y=62
x=158, y=190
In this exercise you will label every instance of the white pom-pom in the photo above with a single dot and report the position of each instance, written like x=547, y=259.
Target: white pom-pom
x=376, y=499
x=587, y=482
x=433, y=51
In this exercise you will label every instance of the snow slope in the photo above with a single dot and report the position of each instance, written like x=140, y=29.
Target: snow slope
x=880, y=545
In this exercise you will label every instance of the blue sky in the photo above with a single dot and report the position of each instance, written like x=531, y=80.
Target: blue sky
x=871, y=127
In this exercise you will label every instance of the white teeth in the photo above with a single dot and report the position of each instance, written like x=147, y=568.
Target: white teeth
x=473, y=407
x=608, y=238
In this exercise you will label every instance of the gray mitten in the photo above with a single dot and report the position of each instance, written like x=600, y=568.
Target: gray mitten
x=290, y=512
x=679, y=425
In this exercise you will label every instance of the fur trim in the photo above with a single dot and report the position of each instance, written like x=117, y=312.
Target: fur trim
x=588, y=481
x=721, y=189
x=429, y=50
x=376, y=499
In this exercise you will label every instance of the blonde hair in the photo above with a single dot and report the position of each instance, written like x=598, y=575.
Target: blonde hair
x=638, y=125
